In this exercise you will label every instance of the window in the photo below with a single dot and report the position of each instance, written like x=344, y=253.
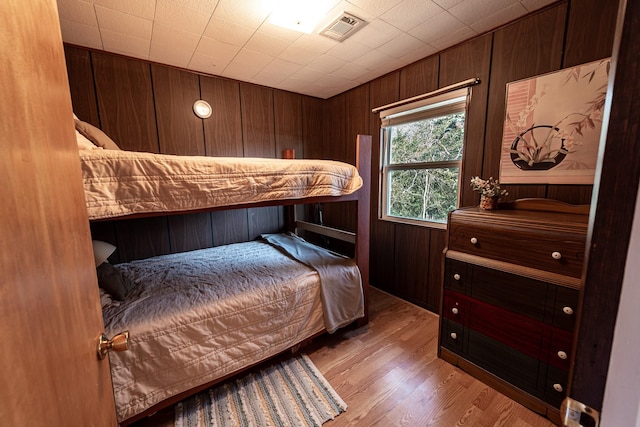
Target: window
x=422, y=145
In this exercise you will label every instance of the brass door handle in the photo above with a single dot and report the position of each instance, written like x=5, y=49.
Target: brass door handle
x=119, y=342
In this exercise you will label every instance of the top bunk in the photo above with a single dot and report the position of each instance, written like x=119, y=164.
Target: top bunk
x=126, y=184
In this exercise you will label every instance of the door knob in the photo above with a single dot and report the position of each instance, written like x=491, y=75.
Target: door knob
x=119, y=342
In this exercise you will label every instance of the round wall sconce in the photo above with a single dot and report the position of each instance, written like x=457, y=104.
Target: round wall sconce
x=202, y=109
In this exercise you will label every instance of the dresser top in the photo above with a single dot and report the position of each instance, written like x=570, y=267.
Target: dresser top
x=543, y=220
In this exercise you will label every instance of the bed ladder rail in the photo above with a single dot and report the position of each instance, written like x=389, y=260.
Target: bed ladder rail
x=345, y=236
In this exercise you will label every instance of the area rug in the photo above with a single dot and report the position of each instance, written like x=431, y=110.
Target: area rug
x=290, y=393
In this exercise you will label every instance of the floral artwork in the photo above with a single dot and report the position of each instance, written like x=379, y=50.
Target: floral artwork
x=552, y=126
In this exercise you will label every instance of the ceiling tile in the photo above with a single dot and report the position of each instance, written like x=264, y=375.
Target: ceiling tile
x=279, y=32
x=410, y=13
x=239, y=72
x=372, y=60
x=315, y=43
x=437, y=27
x=80, y=34
x=350, y=71
x=470, y=11
x=375, y=7
x=141, y=8
x=447, y=4
x=499, y=18
x=170, y=55
x=401, y=45
x=123, y=23
x=298, y=55
x=453, y=38
x=250, y=13
x=284, y=67
x=174, y=39
x=252, y=60
x=266, y=44
x=78, y=11
x=375, y=34
x=418, y=54
x=532, y=5
x=307, y=75
x=294, y=85
x=276, y=72
x=228, y=32
x=326, y=63
x=180, y=17
x=207, y=64
x=348, y=50
x=220, y=53
x=203, y=6
x=124, y=44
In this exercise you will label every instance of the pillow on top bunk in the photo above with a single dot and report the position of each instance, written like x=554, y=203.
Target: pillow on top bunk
x=95, y=135
x=84, y=143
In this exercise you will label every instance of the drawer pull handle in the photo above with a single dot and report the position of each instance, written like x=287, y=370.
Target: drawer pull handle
x=456, y=276
x=562, y=355
x=474, y=241
x=567, y=310
x=556, y=255
x=454, y=335
x=454, y=310
x=558, y=387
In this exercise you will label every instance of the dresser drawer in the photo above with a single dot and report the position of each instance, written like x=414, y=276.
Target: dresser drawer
x=456, y=275
x=517, y=294
x=556, y=252
x=554, y=385
x=452, y=336
x=564, y=309
x=503, y=361
x=455, y=307
x=558, y=349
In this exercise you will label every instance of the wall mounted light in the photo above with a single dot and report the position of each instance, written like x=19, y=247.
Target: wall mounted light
x=202, y=109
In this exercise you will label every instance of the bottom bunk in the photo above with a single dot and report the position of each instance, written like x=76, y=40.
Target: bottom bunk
x=198, y=317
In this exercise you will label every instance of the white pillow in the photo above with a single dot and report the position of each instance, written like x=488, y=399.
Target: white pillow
x=84, y=143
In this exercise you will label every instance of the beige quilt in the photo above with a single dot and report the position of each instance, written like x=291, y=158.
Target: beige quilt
x=197, y=316
x=119, y=183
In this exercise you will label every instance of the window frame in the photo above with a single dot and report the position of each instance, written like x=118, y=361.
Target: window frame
x=455, y=101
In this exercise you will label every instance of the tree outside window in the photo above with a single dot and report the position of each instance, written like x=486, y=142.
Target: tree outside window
x=422, y=157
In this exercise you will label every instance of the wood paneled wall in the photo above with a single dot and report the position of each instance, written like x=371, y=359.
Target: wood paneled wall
x=405, y=259
x=148, y=107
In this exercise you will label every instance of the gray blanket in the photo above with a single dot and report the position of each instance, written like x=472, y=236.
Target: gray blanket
x=340, y=281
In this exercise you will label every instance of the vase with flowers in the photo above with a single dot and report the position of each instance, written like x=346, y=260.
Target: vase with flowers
x=490, y=192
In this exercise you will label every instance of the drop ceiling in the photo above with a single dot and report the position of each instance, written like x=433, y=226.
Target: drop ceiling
x=234, y=38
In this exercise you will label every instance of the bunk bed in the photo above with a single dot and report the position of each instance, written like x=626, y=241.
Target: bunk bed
x=187, y=335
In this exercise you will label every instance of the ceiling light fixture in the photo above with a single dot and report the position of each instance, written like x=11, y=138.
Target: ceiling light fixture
x=202, y=109
x=298, y=15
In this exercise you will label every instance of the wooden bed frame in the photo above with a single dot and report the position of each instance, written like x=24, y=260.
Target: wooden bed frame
x=360, y=239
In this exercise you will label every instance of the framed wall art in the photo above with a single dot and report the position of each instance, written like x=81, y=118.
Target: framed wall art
x=552, y=126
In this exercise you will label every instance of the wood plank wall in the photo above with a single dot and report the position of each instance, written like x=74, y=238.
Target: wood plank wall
x=148, y=107
x=406, y=259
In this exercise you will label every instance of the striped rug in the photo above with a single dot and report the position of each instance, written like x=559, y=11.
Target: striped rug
x=291, y=393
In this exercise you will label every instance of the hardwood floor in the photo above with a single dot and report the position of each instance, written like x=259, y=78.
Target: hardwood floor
x=389, y=374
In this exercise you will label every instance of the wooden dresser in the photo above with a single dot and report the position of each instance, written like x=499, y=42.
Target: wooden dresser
x=510, y=295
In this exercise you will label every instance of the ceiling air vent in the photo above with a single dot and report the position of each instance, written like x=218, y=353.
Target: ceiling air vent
x=342, y=27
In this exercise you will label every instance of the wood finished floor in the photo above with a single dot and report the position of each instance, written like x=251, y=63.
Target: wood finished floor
x=389, y=374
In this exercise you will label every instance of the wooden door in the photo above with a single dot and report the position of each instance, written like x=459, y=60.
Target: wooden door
x=50, y=316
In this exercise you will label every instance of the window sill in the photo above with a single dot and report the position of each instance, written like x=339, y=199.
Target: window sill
x=417, y=222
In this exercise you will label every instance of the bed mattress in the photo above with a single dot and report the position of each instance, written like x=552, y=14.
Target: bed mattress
x=198, y=316
x=119, y=183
